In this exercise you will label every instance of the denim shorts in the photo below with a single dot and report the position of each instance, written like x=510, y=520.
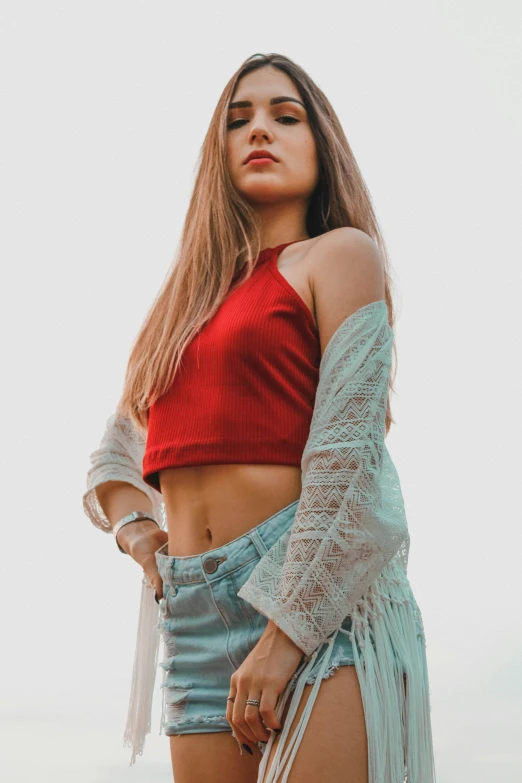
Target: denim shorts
x=208, y=631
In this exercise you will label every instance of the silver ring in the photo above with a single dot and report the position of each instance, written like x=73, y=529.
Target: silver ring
x=255, y=702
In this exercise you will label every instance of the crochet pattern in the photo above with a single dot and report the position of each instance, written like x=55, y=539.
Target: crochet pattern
x=350, y=520
x=119, y=457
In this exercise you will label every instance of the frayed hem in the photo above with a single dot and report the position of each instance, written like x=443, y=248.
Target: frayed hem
x=203, y=719
x=333, y=666
x=199, y=720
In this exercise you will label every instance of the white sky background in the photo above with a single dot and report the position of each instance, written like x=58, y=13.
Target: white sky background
x=105, y=106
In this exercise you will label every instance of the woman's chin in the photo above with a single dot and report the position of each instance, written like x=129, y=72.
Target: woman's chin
x=265, y=190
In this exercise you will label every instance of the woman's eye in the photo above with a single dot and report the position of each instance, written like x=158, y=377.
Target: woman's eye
x=290, y=117
x=234, y=124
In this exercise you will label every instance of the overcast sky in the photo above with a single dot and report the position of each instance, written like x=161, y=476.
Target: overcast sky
x=105, y=106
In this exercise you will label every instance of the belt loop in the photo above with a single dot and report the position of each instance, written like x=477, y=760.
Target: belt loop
x=258, y=542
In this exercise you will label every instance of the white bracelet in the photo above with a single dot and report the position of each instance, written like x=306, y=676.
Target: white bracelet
x=134, y=517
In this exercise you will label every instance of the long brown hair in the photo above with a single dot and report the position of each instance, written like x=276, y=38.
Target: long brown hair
x=221, y=237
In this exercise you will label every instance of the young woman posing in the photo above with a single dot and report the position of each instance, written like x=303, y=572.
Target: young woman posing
x=281, y=578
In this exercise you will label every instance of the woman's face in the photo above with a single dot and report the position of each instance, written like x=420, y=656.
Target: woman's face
x=282, y=129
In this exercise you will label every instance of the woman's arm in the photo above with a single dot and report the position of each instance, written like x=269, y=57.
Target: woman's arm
x=118, y=499
x=115, y=488
x=350, y=520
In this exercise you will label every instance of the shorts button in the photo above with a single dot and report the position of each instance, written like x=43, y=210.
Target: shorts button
x=210, y=565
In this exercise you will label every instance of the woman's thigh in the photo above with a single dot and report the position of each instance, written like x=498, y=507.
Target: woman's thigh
x=334, y=746
x=212, y=758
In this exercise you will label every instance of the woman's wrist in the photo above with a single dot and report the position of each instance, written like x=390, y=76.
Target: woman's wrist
x=274, y=630
x=134, y=532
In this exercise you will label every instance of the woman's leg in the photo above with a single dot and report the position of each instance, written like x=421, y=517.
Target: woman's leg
x=334, y=746
x=212, y=758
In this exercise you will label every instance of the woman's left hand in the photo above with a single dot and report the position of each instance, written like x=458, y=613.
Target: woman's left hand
x=263, y=675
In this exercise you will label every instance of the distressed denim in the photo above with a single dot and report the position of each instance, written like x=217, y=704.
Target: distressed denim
x=208, y=631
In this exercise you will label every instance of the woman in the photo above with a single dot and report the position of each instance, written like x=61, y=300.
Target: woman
x=252, y=426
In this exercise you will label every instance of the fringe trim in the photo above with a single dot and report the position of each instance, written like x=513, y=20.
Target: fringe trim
x=143, y=673
x=388, y=642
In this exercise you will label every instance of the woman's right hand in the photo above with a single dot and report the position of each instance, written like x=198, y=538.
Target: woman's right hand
x=141, y=540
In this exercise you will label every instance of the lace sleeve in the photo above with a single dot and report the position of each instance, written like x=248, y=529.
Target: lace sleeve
x=119, y=457
x=350, y=519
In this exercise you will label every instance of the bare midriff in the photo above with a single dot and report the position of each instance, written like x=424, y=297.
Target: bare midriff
x=208, y=506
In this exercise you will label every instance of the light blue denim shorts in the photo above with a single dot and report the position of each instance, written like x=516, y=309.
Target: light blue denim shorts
x=208, y=631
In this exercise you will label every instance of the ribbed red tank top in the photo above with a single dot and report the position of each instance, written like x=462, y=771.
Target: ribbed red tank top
x=245, y=390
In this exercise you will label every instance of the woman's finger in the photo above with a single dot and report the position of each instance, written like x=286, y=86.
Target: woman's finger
x=147, y=560
x=253, y=720
x=240, y=737
x=267, y=709
x=230, y=705
x=241, y=727
x=156, y=581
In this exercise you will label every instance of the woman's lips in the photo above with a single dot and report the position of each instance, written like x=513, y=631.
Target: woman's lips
x=260, y=161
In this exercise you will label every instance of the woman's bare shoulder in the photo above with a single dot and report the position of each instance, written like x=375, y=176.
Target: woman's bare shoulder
x=345, y=272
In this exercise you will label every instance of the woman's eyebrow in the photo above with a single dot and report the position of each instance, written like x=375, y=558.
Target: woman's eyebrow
x=273, y=102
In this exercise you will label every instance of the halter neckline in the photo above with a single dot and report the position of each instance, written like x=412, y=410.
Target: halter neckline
x=268, y=251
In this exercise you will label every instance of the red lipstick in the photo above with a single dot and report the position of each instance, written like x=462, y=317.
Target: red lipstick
x=261, y=156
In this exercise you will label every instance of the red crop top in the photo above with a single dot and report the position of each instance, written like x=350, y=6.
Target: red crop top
x=245, y=390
